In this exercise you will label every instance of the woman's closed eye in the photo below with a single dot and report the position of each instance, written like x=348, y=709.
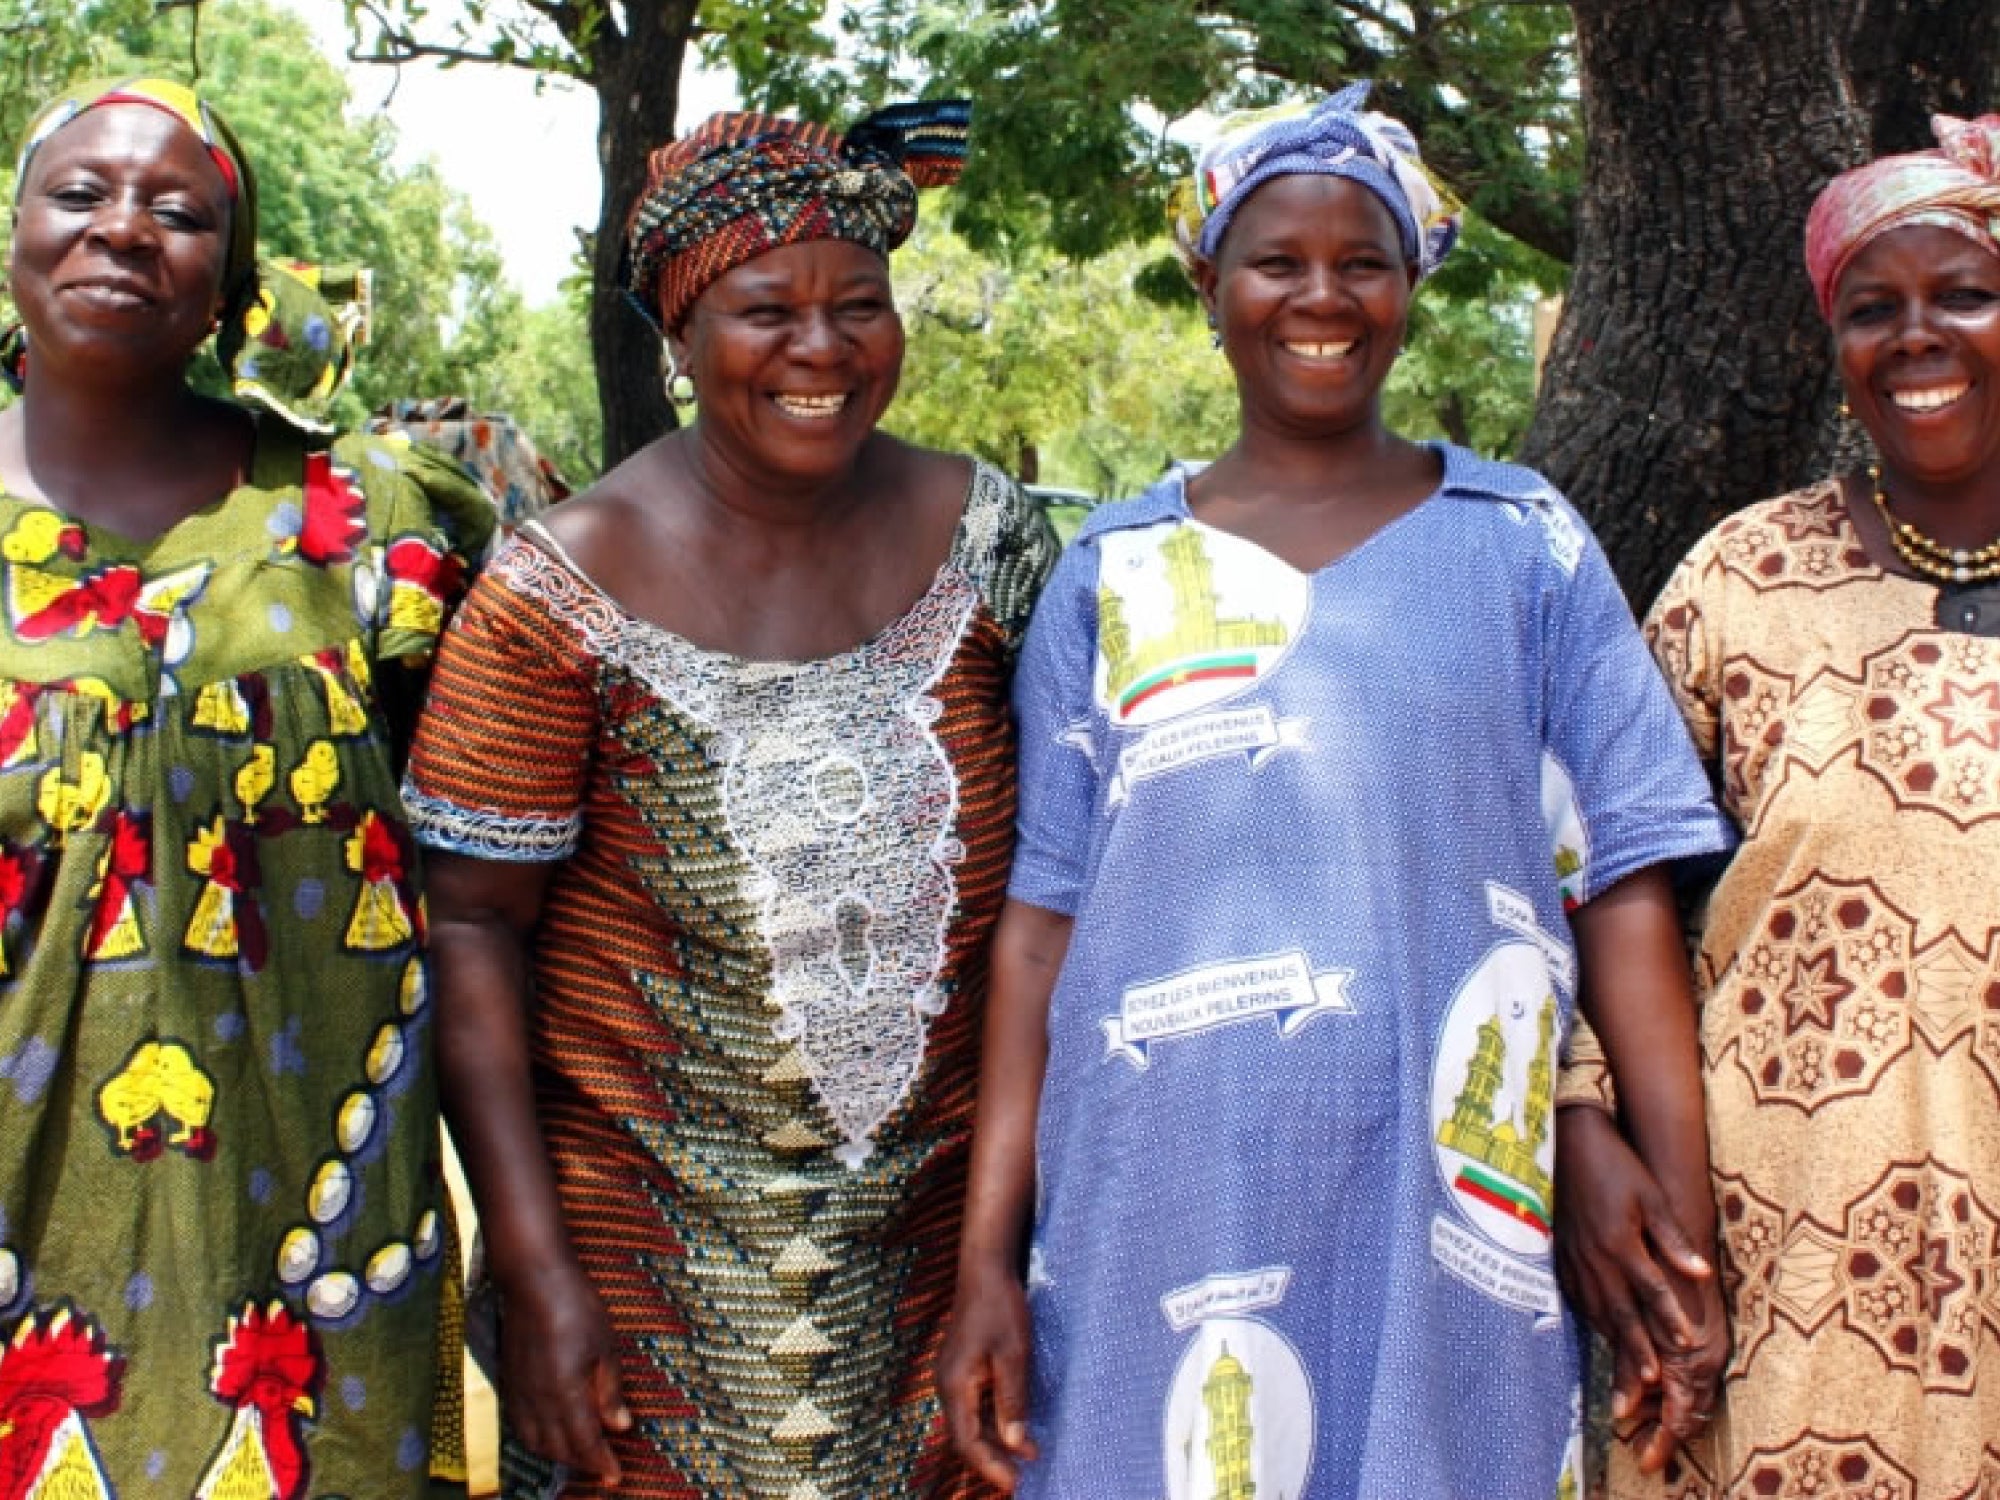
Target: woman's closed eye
x=1969, y=298
x=75, y=195
x=182, y=216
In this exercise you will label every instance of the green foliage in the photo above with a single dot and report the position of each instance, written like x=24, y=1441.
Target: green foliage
x=1467, y=372
x=1073, y=342
x=544, y=381
x=1045, y=364
x=777, y=49
x=44, y=44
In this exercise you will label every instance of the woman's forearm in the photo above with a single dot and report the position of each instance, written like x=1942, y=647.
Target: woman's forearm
x=1028, y=951
x=488, y=1095
x=1637, y=996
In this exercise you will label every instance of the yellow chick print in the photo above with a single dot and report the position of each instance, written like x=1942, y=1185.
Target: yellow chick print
x=314, y=781
x=160, y=1085
x=120, y=713
x=39, y=535
x=71, y=806
x=254, y=779
x=221, y=707
x=345, y=715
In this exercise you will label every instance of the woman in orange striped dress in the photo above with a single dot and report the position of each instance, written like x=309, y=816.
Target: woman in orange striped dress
x=717, y=788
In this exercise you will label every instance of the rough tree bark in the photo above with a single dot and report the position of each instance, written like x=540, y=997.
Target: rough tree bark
x=1691, y=373
x=637, y=76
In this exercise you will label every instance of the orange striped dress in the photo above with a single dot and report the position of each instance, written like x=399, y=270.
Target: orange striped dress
x=759, y=976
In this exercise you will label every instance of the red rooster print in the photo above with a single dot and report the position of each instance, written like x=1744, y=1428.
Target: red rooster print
x=268, y=1368
x=54, y=1373
x=421, y=578
x=335, y=518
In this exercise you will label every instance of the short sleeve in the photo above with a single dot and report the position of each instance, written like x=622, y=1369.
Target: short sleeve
x=1058, y=734
x=502, y=757
x=1678, y=628
x=429, y=526
x=1624, y=790
x=1023, y=561
x=1586, y=1072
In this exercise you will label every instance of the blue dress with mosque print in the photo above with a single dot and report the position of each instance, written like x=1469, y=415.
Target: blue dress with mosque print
x=1319, y=834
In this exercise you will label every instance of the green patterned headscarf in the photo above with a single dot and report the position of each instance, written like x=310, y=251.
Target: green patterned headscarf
x=293, y=346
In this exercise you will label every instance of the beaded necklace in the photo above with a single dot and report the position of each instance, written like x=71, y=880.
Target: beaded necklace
x=1927, y=555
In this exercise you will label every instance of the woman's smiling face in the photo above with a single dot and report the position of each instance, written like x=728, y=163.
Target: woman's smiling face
x=1916, y=323
x=120, y=239
x=1311, y=296
x=795, y=355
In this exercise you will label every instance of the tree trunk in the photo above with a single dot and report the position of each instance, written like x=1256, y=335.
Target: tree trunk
x=1691, y=373
x=1914, y=58
x=638, y=93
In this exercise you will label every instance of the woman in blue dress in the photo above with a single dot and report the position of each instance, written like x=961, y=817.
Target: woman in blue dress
x=1345, y=779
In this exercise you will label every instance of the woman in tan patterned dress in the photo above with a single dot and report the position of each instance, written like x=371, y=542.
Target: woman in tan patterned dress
x=1837, y=655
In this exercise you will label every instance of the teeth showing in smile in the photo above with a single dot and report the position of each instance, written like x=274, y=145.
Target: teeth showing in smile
x=117, y=296
x=810, y=406
x=1320, y=351
x=1929, y=400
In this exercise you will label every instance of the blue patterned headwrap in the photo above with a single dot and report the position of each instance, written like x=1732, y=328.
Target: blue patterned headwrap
x=1333, y=138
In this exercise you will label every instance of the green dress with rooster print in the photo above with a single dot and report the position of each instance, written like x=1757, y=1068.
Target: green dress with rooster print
x=222, y=1227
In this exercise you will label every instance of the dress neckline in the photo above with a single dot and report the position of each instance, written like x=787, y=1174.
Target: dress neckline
x=716, y=659
x=276, y=453
x=1185, y=511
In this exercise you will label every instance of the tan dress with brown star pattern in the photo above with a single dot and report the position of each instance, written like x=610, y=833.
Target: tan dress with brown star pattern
x=1850, y=982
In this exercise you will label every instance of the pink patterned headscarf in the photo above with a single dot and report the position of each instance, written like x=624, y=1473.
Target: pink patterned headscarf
x=1955, y=187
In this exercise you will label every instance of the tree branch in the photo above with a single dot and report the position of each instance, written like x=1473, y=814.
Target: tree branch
x=565, y=17
x=1388, y=23
x=1471, y=12
x=405, y=49
x=395, y=45
x=193, y=7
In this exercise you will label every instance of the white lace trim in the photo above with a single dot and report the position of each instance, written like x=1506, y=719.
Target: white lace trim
x=832, y=774
x=486, y=834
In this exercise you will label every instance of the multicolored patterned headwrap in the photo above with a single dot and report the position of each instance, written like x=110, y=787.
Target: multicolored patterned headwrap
x=1954, y=187
x=239, y=269
x=1333, y=138
x=741, y=184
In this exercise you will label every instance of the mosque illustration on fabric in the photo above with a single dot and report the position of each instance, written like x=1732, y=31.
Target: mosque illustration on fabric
x=1226, y=1394
x=1239, y=1420
x=1199, y=646
x=1503, y=1172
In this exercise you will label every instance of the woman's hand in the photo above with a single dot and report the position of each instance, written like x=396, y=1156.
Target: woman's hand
x=982, y=1374
x=1690, y=1378
x=982, y=1370
x=1640, y=1282
x=560, y=1370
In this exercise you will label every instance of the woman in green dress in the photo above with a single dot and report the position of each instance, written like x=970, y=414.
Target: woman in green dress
x=222, y=1234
